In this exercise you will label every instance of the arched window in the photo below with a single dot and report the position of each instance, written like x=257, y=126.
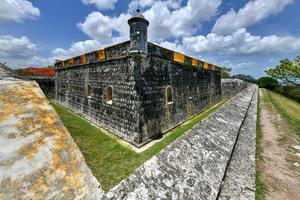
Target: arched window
x=169, y=95
x=190, y=93
x=109, y=95
x=88, y=92
x=68, y=86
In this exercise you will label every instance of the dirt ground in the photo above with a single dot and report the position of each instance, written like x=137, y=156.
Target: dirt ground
x=281, y=153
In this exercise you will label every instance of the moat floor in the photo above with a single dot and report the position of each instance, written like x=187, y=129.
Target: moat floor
x=280, y=169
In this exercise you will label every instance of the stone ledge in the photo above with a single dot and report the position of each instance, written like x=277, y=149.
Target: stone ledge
x=38, y=157
x=193, y=166
x=239, y=182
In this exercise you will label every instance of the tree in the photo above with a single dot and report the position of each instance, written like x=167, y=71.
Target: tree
x=267, y=82
x=51, y=67
x=287, y=71
x=245, y=77
x=225, y=72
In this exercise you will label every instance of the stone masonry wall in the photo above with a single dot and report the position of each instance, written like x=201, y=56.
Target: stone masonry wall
x=194, y=90
x=47, y=85
x=121, y=116
x=231, y=87
x=139, y=111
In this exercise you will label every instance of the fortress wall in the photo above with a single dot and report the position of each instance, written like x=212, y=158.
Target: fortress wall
x=47, y=85
x=140, y=111
x=194, y=90
x=231, y=87
x=121, y=117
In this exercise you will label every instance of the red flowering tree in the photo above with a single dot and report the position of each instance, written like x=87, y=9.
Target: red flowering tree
x=36, y=71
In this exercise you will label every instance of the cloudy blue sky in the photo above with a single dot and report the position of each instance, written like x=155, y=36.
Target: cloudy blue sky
x=247, y=35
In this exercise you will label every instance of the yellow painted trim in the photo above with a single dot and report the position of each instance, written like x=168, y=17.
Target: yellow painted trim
x=195, y=62
x=178, y=57
x=205, y=65
x=71, y=61
x=213, y=67
x=83, y=59
x=101, y=54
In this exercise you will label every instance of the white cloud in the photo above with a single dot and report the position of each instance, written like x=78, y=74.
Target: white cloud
x=17, y=10
x=242, y=65
x=253, y=12
x=240, y=42
x=173, y=4
x=12, y=47
x=21, y=52
x=101, y=27
x=77, y=48
x=184, y=21
x=167, y=19
x=145, y=3
x=34, y=61
x=175, y=46
x=101, y=4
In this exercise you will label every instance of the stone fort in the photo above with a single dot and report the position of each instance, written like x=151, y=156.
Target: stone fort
x=136, y=89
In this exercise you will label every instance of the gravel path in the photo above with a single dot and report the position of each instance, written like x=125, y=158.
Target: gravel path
x=280, y=169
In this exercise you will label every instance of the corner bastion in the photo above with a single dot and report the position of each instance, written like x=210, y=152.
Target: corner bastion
x=137, y=90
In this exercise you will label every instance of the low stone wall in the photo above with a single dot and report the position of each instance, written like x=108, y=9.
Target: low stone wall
x=231, y=87
x=239, y=181
x=194, y=166
x=38, y=157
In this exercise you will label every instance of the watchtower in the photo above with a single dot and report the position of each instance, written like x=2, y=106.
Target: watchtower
x=138, y=33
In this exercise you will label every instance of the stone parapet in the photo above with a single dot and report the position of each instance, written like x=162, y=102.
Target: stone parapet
x=239, y=181
x=231, y=87
x=38, y=157
x=193, y=166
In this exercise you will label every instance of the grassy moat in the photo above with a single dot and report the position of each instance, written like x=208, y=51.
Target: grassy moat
x=110, y=161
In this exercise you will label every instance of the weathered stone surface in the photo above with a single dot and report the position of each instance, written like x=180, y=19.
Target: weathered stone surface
x=7, y=73
x=239, y=182
x=296, y=147
x=139, y=110
x=38, y=158
x=193, y=166
x=231, y=87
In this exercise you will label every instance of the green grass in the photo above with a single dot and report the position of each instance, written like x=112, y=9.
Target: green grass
x=288, y=108
x=260, y=186
x=110, y=161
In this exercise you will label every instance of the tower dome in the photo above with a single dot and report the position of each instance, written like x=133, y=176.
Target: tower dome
x=138, y=32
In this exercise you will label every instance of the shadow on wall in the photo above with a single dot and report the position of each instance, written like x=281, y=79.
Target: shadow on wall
x=47, y=84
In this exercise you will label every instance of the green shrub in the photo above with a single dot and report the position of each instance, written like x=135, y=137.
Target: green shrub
x=294, y=93
x=245, y=77
x=267, y=82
